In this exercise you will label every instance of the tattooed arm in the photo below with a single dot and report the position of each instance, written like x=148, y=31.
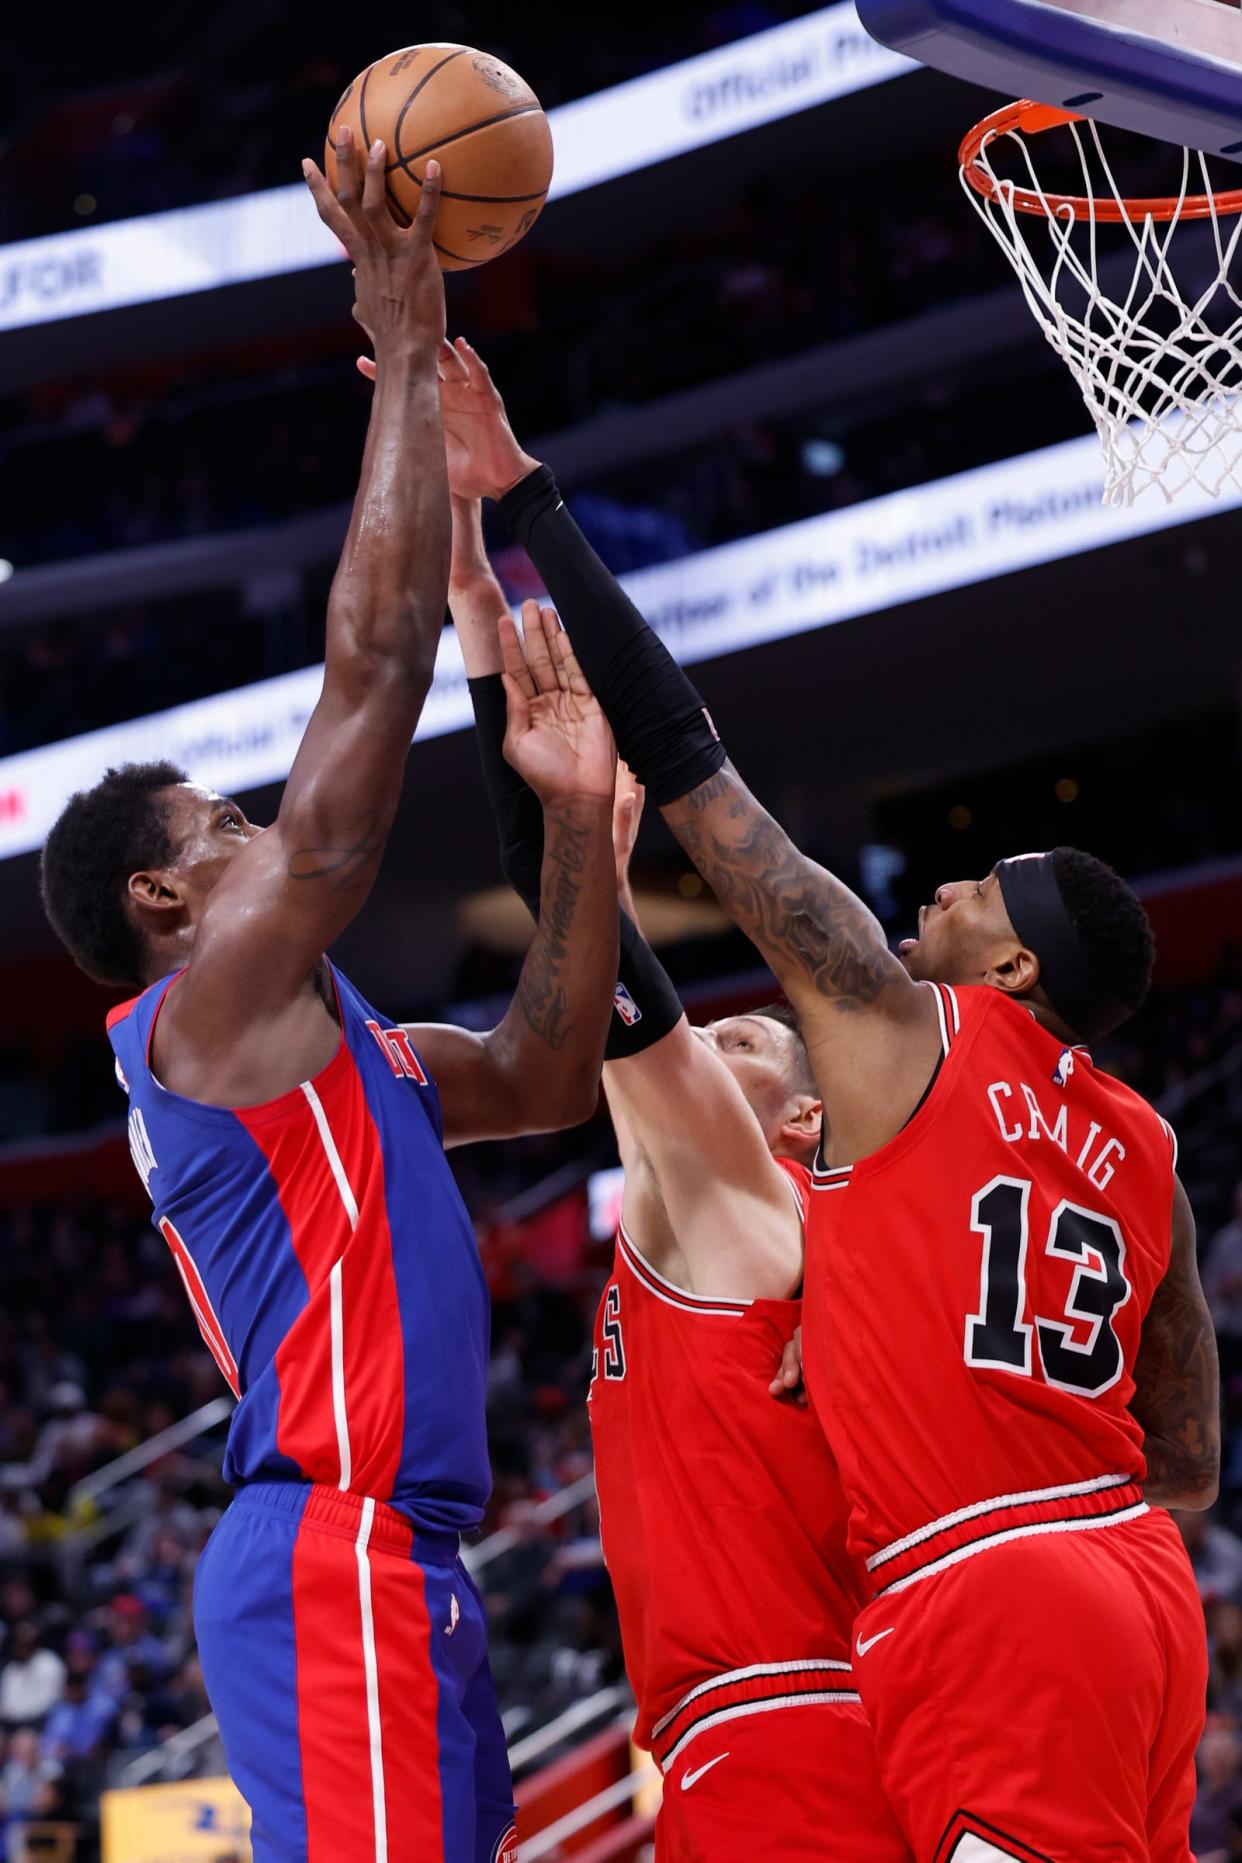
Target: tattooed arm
x=248, y=1004
x=539, y=1070
x=1177, y=1380
x=871, y=1032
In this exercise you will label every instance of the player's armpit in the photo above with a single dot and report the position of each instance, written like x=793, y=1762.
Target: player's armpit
x=727, y=1200
x=872, y=1032
x=1177, y=1380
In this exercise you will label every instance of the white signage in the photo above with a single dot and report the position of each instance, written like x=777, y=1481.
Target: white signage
x=945, y=535
x=685, y=106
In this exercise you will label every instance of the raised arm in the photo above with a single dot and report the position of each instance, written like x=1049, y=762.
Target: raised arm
x=294, y=888
x=699, y=1171
x=1177, y=1379
x=696, y=1157
x=871, y=1032
x=538, y=1071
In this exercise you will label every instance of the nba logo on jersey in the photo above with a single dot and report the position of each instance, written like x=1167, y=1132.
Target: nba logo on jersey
x=1064, y=1068
x=626, y=1007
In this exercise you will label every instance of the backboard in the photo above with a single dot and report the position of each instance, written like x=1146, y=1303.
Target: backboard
x=1171, y=69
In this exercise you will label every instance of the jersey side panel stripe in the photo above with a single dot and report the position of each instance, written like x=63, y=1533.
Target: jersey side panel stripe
x=374, y=1349
x=200, y=1305
x=340, y=1366
x=307, y=1420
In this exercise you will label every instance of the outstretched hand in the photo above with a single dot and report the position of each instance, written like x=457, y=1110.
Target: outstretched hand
x=398, y=285
x=484, y=458
x=558, y=739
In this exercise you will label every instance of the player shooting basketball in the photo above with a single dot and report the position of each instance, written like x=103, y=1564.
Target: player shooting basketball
x=1006, y=1339
x=292, y=1140
x=735, y=1599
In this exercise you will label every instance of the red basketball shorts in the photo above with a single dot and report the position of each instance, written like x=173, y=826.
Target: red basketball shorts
x=1043, y=1699
x=798, y=1783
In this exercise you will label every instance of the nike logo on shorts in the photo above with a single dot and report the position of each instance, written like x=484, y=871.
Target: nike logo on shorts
x=692, y=1778
x=863, y=1646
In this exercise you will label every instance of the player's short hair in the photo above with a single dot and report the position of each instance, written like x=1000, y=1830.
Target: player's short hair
x=787, y=1016
x=1111, y=924
x=102, y=836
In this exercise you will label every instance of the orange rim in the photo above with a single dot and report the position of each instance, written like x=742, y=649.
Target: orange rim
x=1032, y=119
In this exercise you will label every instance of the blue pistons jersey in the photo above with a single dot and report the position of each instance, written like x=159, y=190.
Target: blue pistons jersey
x=331, y=1266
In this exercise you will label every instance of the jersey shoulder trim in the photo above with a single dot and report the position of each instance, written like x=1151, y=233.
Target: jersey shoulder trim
x=830, y=1176
x=122, y=1011
x=1171, y=1135
x=949, y=1013
x=668, y=1291
x=798, y=1177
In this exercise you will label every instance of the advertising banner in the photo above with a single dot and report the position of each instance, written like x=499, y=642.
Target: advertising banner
x=200, y=1821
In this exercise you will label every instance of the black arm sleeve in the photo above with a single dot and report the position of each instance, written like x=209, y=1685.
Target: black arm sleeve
x=661, y=725
x=646, y=1005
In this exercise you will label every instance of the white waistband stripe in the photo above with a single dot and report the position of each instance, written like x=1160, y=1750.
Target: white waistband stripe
x=1081, y=1523
x=805, y=1666
x=820, y=1699
x=1027, y=1498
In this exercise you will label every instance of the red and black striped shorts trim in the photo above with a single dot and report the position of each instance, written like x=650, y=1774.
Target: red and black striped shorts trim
x=1074, y=1507
x=759, y=1689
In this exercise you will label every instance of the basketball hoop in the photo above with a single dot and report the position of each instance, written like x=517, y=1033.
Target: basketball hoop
x=1159, y=363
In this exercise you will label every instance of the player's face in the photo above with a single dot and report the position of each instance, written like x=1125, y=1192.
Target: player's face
x=208, y=831
x=763, y=1057
x=964, y=935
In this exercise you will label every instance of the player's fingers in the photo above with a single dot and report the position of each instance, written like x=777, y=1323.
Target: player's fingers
x=428, y=202
x=575, y=679
x=478, y=367
x=516, y=670
x=451, y=364
x=366, y=367
x=374, y=187
x=538, y=655
x=348, y=177
x=329, y=208
x=517, y=702
x=553, y=633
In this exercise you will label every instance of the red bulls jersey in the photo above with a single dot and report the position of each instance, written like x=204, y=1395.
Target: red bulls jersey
x=722, y=1514
x=975, y=1293
x=331, y=1266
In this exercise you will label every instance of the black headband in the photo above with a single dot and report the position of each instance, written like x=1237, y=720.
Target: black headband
x=1032, y=896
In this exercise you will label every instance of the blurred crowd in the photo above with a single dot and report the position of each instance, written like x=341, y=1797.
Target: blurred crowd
x=170, y=107
x=98, y=1353
x=114, y=662
x=88, y=467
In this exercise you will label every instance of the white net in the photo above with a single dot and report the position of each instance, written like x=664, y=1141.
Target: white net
x=1156, y=352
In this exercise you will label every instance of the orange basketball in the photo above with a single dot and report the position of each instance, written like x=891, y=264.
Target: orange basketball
x=478, y=119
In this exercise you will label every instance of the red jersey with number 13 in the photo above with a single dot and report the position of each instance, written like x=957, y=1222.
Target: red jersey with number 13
x=975, y=1295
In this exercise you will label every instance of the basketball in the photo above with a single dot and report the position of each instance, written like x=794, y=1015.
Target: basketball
x=478, y=119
